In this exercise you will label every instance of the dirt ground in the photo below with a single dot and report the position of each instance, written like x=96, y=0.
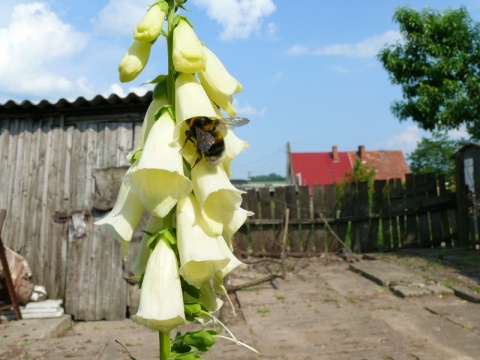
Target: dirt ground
x=321, y=310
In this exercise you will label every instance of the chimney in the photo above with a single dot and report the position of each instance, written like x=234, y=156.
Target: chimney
x=335, y=153
x=361, y=151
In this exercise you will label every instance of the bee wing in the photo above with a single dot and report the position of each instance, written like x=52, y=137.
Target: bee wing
x=205, y=140
x=236, y=122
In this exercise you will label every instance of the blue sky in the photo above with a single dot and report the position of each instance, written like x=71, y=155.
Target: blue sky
x=308, y=68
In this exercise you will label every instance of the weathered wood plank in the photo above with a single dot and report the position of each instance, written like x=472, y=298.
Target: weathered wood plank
x=266, y=212
x=280, y=200
x=377, y=199
x=360, y=240
x=293, y=230
x=306, y=231
x=318, y=203
x=332, y=245
x=256, y=235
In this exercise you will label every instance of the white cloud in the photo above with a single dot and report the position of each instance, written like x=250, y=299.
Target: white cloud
x=119, y=17
x=33, y=40
x=457, y=134
x=366, y=48
x=406, y=141
x=244, y=109
x=239, y=18
x=120, y=91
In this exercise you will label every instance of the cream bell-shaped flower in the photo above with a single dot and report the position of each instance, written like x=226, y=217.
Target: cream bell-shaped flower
x=232, y=222
x=187, y=54
x=134, y=60
x=233, y=147
x=161, y=300
x=140, y=264
x=150, y=26
x=158, y=180
x=218, y=83
x=201, y=254
x=217, y=197
x=125, y=216
x=148, y=122
x=191, y=99
x=222, y=273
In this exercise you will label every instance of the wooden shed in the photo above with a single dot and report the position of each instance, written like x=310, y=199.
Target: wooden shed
x=50, y=154
x=467, y=165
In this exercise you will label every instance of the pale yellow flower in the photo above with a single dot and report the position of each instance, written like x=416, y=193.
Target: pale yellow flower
x=134, y=60
x=140, y=263
x=125, y=216
x=201, y=254
x=220, y=275
x=232, y=222
x=158, y=180
x=161, y=301
x=148, y=122
x=188, y=55
x=233, y=147
x=218, y=83
x=150, y=26
x=218, y=198
x=191, y=99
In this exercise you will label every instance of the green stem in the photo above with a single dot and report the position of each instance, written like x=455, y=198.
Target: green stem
x=171, y=68
x=164, y=339
x=164, y=342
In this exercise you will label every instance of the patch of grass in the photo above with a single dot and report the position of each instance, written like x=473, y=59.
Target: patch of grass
x=280, y=297
x=390, y=307
x=263, y=311
x=352, y=300
x=476, y=290
x=25, y=343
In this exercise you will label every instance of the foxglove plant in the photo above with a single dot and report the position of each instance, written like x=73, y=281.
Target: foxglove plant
x=186, y=250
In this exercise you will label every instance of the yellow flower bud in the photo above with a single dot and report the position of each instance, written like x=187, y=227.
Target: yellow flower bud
x=187, y=55
x=150, y=26
x=134, y=60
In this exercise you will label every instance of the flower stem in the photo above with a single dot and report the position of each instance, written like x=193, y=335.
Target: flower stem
x=164, y=339
x=164, y=343
x=171, y=69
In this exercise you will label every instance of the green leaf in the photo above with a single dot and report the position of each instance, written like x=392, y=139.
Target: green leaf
x=190, y=289
x=192, y=310
x=160, y=89
x=177, y=18
x=164, y=108
x=203, y=340
x=136, y=156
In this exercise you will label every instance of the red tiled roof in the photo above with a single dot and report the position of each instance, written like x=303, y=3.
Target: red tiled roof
x=389, y=164
x=320, y=168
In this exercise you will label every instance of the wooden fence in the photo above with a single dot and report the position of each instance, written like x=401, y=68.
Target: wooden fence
x=389, y=216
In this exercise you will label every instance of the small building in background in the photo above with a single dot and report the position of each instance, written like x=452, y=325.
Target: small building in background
x=467, y=167
x=325, y=168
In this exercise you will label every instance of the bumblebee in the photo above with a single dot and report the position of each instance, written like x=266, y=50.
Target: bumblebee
x=207, y=136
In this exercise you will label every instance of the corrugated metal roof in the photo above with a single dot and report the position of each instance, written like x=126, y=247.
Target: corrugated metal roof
x=64, y=105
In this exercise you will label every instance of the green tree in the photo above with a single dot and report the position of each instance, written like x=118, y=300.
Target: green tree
x=437, y=66
x=435, y=155
x=269, y=177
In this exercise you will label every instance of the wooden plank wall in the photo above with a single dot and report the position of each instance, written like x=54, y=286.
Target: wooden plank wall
x=420, y=213
x=46, y=167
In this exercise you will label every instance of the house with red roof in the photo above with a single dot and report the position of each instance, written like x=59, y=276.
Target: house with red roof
x=324, y=168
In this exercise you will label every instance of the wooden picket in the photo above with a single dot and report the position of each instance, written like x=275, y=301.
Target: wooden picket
x=391, y=215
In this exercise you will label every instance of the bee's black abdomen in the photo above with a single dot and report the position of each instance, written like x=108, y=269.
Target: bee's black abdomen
x=217, y=149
